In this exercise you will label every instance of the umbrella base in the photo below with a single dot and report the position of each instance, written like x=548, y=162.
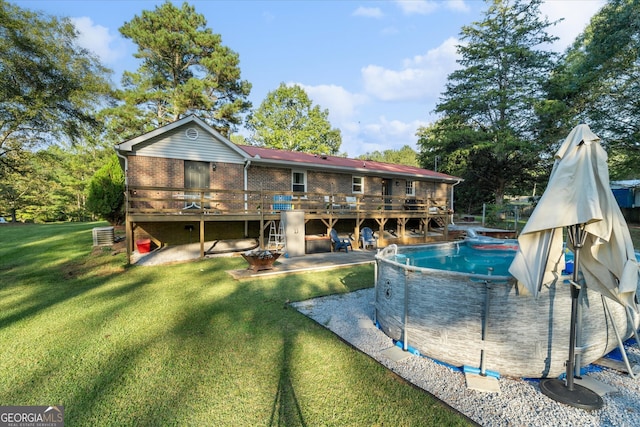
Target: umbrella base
x=580, y=397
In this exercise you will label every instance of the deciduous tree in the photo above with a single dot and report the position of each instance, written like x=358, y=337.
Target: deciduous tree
x=288, y=120
x=50, y=87
x=105, y=196
x=404, y=156
x=598, y=83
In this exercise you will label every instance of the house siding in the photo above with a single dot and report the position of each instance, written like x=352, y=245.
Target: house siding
x=175, y=145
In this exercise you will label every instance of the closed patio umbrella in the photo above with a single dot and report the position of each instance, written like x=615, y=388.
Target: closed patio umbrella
x=578, y=196
x=579, y=193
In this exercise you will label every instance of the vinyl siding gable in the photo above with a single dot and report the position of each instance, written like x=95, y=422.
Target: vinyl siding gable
x=175, y=144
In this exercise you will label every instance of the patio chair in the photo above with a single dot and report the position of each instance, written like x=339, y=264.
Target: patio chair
x=367, y=238
x=340, y=243
x=352, y=202
x=330, y=202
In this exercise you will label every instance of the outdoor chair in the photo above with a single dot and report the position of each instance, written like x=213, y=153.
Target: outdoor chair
x=352, y=202
x=340, y=243
x=330, y=203
x=367, y=238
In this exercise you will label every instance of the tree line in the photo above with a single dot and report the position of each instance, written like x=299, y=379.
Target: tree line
x=501, y=115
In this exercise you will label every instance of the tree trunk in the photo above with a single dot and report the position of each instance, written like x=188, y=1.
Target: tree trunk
x=499, y=195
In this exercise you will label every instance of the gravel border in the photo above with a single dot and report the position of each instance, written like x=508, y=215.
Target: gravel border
x=519, y=402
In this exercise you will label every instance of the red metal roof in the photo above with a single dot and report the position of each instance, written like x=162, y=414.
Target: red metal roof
x=335, y=162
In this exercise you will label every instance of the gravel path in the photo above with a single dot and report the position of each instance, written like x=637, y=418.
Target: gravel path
x=519, y=402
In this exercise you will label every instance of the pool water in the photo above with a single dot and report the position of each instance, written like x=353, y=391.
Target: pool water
x=462, y=258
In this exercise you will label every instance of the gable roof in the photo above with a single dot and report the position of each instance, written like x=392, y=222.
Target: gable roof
x=296, y=159
x=291, y=159
x=132, y=144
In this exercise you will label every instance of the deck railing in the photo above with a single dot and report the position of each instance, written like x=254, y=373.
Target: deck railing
x=176, y=200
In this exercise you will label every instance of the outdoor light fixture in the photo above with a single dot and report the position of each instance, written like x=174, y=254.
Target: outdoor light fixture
x=213, y=167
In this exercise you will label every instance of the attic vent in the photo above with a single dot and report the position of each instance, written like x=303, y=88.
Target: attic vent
x=192, y=133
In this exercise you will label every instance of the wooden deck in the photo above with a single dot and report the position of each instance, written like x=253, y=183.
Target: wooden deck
x=161, y=205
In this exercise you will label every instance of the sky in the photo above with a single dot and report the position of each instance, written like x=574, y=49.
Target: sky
x=378, y=67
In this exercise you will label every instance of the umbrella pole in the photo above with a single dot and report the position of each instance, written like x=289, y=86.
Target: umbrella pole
x=566, y=391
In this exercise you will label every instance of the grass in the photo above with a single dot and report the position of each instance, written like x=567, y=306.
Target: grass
x=182, y=344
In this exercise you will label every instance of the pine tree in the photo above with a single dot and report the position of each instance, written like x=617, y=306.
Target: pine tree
x=185, y=70
x=487, y=128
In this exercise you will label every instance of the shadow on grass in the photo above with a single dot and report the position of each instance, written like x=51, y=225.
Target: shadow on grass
x=286, y=409
x=182, y=344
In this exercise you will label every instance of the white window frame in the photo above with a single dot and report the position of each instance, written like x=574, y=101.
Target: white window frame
x=410, y=188
x=354, y=184
x=304, y=181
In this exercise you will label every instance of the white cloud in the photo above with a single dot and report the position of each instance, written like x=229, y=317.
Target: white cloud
x=359, y=137
x=384, y=134
x=576, y=14
x=417, y=7
x=422, y=76
x=457, y=5
x=99, y=40
x=341, y=103
x=368, y=12
x=425, y=7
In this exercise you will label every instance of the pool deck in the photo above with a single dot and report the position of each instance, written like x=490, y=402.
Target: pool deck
x=308, y=262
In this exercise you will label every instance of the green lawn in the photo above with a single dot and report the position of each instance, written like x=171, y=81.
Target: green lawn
x=182, y=344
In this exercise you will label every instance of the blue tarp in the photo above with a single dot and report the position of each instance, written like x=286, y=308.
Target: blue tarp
x=624, y=197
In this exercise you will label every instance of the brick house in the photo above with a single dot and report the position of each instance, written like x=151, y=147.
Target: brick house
x=186, y=182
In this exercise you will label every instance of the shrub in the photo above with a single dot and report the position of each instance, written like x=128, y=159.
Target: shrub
x=106, y=192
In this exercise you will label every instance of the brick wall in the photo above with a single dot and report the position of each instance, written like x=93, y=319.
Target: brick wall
x=269, y=179
x=228, y=176
x=155, y=171
x=161, y=172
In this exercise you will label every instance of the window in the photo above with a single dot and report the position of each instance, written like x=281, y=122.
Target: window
x=357, y=184
x=299, y=182
x=410, y=189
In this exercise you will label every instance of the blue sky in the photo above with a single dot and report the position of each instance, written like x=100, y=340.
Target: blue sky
x=377, y=66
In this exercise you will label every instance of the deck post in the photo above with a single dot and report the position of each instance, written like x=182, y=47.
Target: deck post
x=202, y=235
x=129, y=237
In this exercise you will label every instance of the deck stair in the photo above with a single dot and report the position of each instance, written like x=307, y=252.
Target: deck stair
x=440, y=221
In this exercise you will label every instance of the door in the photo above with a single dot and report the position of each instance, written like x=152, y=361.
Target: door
x=196, y=175
x=387, y=190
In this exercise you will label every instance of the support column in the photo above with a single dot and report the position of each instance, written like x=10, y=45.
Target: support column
x=129, y=239
x=202, y=236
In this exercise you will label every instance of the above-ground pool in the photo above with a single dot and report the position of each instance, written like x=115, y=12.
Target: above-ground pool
x=432, y=298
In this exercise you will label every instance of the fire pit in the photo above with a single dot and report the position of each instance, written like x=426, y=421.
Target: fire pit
x=260, y=259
